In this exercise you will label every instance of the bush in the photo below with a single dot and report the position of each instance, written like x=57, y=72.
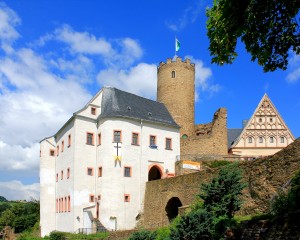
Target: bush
x=143, y=235
x=55, y=235
x=162, y=233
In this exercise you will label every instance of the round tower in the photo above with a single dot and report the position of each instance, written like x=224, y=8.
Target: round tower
x=176, y=89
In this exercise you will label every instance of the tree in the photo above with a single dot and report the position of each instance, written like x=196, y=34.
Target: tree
x=3, y=199
x=268, y=28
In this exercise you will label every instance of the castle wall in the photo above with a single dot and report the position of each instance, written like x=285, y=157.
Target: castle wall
x=264, y=178
x=208, y=138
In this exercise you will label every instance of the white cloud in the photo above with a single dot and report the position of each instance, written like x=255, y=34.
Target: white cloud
x=294, y=68
x=203, y=76
x=8, y=21
x=189, y=15
x=15, y=190
x=140, y=80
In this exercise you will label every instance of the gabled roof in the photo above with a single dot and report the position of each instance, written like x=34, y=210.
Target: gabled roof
x=117, y=103
x=264, y=107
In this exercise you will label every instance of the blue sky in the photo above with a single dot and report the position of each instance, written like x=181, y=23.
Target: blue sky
x=56, y=54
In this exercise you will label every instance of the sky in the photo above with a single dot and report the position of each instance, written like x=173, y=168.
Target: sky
x=56, y=54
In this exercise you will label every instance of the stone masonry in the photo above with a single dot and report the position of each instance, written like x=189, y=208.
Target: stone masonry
x=176, y=89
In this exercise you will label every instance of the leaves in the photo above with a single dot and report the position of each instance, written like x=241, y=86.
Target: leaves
x=269, y=30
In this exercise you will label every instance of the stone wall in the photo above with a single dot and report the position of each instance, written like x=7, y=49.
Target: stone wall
x=264, y=177
x=208, y=138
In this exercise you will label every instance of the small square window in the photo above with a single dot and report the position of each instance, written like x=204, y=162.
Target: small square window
x=135, y=139
x=100, y=172
x=168, y=143
x=152, y=140
x=52, y=152
x=127, y=171
x=99, y=197
x=92, y=198
x=90, y=138
x=126, y=198
x=271, y=119
x=90, y=171
x=93, y=110
x=117, y=136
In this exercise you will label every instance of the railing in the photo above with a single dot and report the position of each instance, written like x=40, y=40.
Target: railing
x=92, y=230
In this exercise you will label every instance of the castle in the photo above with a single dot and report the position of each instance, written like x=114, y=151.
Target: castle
x=93, y=171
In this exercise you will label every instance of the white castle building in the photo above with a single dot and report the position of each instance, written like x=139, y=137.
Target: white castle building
x=94, y=169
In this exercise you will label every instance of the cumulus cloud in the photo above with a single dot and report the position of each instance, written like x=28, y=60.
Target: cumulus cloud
x=15, y=190
x=294, y=68
x=140, y=79
x=189, y=15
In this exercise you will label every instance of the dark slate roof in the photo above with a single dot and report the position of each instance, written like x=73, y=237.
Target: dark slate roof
x=117, y=103
x=232, y=135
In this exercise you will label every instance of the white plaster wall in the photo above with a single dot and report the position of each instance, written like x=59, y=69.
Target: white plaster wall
x=96, y=103
x=47, y=187
x=113, y=185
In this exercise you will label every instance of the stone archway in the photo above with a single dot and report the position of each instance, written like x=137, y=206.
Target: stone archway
x=154, y=173
x=172, y=208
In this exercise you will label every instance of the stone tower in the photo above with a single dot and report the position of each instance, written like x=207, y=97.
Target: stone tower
x=176, y=89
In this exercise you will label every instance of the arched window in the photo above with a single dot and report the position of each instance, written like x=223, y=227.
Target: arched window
x=249, y=139
x=173, y=74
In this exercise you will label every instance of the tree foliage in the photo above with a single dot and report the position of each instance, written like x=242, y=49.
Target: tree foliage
x=143, y=235
x=21, y=216
x=210, y=218
x=269, y=29
x=3, y=199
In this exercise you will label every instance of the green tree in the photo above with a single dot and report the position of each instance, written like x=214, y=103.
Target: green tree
x=143, y=235
x=7, y=218
x=3, y=199
x=269, y=29
x=222, y=195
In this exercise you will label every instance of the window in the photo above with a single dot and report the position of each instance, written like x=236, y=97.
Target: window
x=117, y=136
x=152, y=140
x=99, y=197
x=271, y=119
x=127, y=171
x=56, y=177
x=100, y=172
x=57, y=206
x=52, y=152
x=57, y=150
x=62, y=175
x=168, y=143
x=90, y=138
x=250, y=140
x=260, y=140
x=271, y=139
x=260, y=120
x=99, y=138
x=90, y=171
x=93, y=110
x=282, y=139
x=66, y=204
x=92, y=198
x=173, y=74
x=184, y=136
x=68, y=173
x=62, y=146
x=135, y=139
x=69, y=204
x=69, y=140
x=126, y=198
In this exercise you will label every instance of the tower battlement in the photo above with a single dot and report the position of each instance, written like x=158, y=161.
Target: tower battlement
x=177, y=60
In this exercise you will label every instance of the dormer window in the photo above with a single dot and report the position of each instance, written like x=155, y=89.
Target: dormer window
x=173, y=74
x=93, y=110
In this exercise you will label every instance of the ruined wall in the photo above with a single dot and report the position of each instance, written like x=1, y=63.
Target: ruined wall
x=264, y=177
x=208, y=138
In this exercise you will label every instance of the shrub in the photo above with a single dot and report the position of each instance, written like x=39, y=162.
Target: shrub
x=162, y=233
x=143, y=235
x=55, y=235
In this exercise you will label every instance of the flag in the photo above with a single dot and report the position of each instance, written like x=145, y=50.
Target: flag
x=177, y=45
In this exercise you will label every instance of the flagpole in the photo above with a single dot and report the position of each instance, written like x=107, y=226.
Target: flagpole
x=175, y=47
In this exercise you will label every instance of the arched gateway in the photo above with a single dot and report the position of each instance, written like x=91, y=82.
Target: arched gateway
x=154, y=173
x=172, y=208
